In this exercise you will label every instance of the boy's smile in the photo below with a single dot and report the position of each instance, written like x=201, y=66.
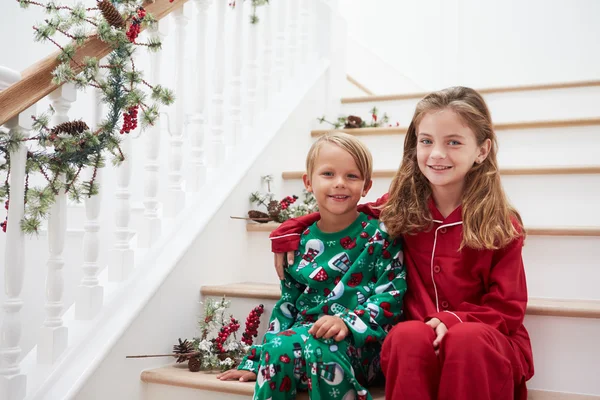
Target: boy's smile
x=337, y=185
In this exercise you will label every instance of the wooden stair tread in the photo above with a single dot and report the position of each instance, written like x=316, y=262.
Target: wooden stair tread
x=484, y=91
x=384, y=131
x=181, y=376
x=535, y=306
x=549, y=170
x=590, y=231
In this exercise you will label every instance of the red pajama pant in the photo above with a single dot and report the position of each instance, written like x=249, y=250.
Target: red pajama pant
x=475, y=361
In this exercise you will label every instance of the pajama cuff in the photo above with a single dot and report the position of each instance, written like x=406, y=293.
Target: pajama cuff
x=248, y=365
x=447, y=317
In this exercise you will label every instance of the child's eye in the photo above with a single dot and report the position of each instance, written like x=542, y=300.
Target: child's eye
x=352, y=176
x=426, y=141
x=327, y=174
x=454, y=143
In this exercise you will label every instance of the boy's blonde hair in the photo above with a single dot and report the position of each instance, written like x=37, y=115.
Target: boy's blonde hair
x=486, y=212
x=359, y=152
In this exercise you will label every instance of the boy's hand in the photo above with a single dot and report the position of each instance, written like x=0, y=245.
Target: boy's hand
x=237, y=375
x=279, y=263
x=329, y=326
x=440, y=331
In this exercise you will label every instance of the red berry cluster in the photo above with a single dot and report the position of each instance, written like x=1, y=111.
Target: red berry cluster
x=286, y=202
x=130, y=120
x=136, y=25
x=5, y=222
x=252, y=323
x=224, y=333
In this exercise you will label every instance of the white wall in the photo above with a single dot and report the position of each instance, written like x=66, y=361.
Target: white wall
x=438, y=43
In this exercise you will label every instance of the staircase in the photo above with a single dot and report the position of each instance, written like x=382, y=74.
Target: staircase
x=551, y=173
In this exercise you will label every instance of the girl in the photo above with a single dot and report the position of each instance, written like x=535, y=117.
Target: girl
x=467, y=294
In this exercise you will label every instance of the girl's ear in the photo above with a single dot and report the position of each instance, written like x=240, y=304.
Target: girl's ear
x=307, y=184
x=484, y=150
x=367, y=187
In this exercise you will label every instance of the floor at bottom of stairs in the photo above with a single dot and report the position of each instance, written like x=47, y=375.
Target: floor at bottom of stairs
x=176, y=381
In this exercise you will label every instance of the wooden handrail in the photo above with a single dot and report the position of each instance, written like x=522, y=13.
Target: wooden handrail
x=359, y=85
x=36, y=82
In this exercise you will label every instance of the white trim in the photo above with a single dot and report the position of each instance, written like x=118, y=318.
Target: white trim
x=437, y=305
x=450, y=312
x=286, y=235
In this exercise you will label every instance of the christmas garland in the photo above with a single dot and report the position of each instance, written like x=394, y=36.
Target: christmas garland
x=255, y=3
x=222, y=352
x=66, y=149
x=355, y=122
x=282, y=210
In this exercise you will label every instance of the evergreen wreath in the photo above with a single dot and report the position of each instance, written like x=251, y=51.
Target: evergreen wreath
x=68, y=148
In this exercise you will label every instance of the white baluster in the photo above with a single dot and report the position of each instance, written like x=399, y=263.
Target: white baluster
x=236, y=79
x=216, y=153
x=268, y=81
x=293, y=39
x=176, y=195
x=280, y=48
x=90, y=294
x=121, y=257
x=197, y=123
x=151, y=223
x=306, y=28
x=54, y=336
x=12, y=382
x=252, y=75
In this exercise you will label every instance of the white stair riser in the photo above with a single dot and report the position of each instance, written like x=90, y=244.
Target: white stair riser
x=565, y=352
x=542, y=200
x=564, y=348
x=155, y=391
x=517, y=148
x=505, y=107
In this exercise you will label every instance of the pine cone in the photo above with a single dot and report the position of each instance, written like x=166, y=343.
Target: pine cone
x=274, y=209
x=71, y=127
x=184, y=347
x=194, y=364
x=111, y=14
x=353, y=122
x=259, y=216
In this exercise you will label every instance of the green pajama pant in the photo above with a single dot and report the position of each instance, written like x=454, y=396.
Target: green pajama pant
x=295, y=360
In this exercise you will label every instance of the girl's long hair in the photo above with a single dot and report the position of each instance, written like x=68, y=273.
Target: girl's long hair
x=486, y=213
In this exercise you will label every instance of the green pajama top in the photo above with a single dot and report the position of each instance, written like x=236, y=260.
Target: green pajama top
x=356, y=274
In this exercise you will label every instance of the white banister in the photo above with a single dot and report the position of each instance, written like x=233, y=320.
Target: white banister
x=12, y=382
x=216, y=153
x=280, y=48
x=198, y=121
x=122, y=255
x=236, y=78
x=54, y=335
x=267, y=59
x=252, y=76
x=176, y=195
x=306, y=28
x=293, y=39
x=90, y=294
x=151, y=227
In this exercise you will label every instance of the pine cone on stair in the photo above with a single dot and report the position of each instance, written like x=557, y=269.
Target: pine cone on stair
x=353, y=122
x=194, y=364
x=182, y=348
x=259, y=216
x=274, y=209
x=111, y=14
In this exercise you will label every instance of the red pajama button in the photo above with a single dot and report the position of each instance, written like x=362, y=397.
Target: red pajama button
x=445, y=304
x=443, y=230
x=437, y=269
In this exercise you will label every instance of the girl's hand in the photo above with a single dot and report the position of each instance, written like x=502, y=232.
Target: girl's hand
x=279, y=257
x=237, y=375
x=440, y=330
x=329, y=326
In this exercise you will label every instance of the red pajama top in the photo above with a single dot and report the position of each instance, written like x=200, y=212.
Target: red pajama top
x=486, y=286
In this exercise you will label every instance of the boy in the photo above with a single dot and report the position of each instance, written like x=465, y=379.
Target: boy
x=340, y=296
